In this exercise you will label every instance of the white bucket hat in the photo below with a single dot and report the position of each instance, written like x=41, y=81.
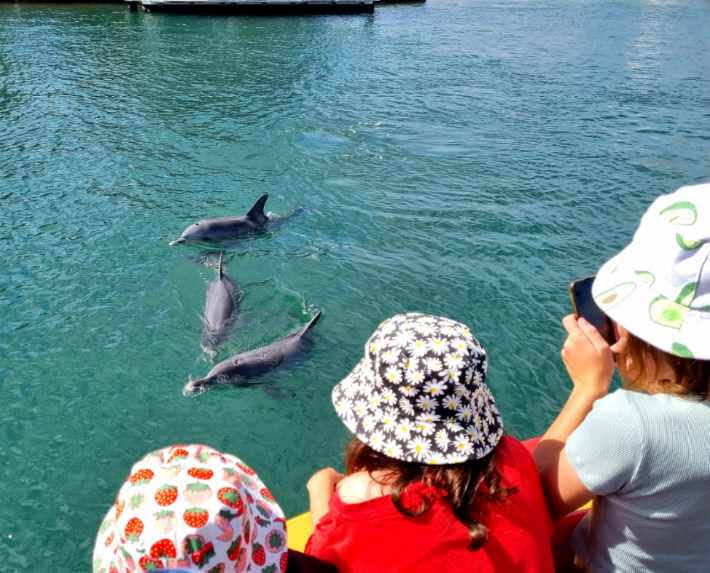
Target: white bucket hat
x=658, y=287
x=419, y=393
x=192, y=508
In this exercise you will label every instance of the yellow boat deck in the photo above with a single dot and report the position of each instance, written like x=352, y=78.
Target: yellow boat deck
x=299, y=530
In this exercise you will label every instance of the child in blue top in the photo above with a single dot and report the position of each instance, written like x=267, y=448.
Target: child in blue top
x=642, y=452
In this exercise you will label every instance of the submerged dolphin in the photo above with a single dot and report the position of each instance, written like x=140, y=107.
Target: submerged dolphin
x=253, y=362
x=225, y=228
x=221, y=307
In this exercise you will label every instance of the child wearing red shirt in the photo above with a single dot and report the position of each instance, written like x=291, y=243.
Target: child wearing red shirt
x=431, y=482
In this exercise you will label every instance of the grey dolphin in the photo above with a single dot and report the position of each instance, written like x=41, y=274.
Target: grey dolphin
x=225, y=228
x=253, y=362
x=221, y=307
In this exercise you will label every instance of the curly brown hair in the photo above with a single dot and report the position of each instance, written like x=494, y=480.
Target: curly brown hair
x=642, y=367
x=465, y=484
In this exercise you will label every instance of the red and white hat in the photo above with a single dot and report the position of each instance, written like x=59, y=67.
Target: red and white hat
x=192, y=508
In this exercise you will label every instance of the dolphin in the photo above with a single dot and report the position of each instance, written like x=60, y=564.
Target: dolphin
x=221, y=307
x=253, y=362
x=225, y=228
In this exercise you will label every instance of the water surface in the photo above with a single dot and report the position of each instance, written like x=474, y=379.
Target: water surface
x=465, y=158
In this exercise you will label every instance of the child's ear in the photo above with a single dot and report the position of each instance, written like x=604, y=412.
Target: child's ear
x=622, y=339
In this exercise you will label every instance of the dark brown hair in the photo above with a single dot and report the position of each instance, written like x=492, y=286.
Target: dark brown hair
x=644, y=370
x=465, y=484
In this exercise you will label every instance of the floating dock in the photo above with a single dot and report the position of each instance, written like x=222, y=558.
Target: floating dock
x=263, y=7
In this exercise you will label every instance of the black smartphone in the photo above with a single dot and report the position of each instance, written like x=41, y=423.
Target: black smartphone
x=580, y=294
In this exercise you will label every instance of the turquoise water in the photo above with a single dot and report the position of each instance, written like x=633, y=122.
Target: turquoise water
x=465, y=158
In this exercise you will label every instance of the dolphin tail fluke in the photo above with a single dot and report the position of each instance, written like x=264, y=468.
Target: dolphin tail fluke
x=311, y=323
x=256, y=213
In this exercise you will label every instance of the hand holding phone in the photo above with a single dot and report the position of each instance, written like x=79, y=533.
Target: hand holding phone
x=588, y=359
x=580, y=294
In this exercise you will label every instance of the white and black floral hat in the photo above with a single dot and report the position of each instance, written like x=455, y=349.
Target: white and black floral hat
x=419, y=393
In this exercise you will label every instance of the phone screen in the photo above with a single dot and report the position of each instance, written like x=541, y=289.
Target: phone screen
x=580, y=293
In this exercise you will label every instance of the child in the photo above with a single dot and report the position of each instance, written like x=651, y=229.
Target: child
x=644, y=450
x=191, y=509
x=431, y=483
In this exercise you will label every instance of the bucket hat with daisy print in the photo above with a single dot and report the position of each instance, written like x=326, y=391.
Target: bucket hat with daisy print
x=419, y=393
x=192, y=508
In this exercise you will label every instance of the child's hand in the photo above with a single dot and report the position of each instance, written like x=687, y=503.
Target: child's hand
x=324, y=480
x=587, y=357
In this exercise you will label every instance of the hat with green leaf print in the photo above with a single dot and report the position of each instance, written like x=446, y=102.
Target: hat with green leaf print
x=658, y=287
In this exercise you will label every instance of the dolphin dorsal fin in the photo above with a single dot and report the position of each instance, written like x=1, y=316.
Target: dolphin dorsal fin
x=221, y=267
x=256, y=213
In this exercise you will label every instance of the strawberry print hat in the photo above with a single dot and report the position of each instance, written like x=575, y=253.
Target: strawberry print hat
x=192, y=508
x=658, y=287
x=419, y=393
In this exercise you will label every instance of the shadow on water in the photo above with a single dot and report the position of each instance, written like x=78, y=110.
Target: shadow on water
x=206, y=253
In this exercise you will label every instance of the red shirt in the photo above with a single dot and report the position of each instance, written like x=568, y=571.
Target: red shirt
x=374, y=537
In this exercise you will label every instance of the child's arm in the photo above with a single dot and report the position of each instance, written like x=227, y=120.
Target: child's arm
x=589, y=362
x=320, y=489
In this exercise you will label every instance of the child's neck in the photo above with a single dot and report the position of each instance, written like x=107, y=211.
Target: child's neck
x=362, y=486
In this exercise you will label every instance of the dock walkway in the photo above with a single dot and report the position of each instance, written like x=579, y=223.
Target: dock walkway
x=263, y=7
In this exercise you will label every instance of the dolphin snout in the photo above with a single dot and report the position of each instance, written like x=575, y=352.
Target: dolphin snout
x=177, y=242
x=194, y=387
